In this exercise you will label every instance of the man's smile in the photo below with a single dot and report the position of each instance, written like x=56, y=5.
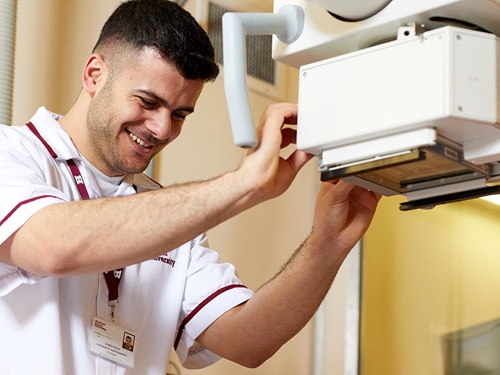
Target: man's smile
x=139, y=141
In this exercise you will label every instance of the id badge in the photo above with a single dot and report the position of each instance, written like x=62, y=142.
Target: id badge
x=110, y=341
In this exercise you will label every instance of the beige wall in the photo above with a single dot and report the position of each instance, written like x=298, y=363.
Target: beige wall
x=54, y=37
x=426, y=274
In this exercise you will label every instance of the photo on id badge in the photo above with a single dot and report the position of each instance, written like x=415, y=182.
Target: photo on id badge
x=128, y=341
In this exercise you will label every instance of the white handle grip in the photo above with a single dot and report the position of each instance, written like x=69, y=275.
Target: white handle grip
x=287, y=24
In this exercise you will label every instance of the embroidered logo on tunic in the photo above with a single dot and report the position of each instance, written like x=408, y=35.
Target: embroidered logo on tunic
x=165, y=258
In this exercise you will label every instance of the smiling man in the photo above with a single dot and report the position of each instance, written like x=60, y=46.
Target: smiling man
x=132, y=113
x=91, y=250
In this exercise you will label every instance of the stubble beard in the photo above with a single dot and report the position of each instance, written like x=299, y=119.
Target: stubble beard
x=101, y=127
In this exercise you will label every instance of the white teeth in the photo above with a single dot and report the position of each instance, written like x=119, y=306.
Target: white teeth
x=136, y=139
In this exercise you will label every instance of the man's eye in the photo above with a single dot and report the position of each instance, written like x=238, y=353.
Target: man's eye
x=179, y=116
x=147, y=103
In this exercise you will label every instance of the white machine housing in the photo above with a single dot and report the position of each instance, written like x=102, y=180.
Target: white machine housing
x=325, y=36
x=405, y=101
x=398, y=109
x=378, y=105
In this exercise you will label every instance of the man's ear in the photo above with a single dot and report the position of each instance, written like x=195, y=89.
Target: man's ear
x=94, y=72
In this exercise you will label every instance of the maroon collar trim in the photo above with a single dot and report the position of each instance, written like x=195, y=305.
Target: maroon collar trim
x=44, y=142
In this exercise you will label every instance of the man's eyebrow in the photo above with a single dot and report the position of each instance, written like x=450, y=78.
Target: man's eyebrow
x=162, y=101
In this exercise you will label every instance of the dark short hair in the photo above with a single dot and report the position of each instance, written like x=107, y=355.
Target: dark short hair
x=166, y=27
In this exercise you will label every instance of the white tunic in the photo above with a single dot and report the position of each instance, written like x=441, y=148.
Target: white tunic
x=45, y=321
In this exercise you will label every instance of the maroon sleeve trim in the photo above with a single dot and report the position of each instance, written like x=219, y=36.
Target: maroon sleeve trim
x=198, y=308
x=23, y=203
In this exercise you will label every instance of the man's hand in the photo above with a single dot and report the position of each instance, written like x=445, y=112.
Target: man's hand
x=343, y=213
x=270, y=173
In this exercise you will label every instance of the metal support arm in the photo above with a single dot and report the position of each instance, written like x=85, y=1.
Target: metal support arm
x=287, y=24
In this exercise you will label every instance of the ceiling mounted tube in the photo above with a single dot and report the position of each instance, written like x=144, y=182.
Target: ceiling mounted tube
x=8, y=9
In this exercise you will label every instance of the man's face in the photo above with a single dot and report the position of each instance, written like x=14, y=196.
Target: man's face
x=136, y=112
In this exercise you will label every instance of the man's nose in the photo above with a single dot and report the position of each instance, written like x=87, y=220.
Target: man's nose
x=160, y=126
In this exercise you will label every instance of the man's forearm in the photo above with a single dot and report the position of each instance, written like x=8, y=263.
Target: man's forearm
x=107, y=233
x=278, y=310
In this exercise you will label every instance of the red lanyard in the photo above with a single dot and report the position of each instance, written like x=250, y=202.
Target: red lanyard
x=77, y=176
x=112, y=278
